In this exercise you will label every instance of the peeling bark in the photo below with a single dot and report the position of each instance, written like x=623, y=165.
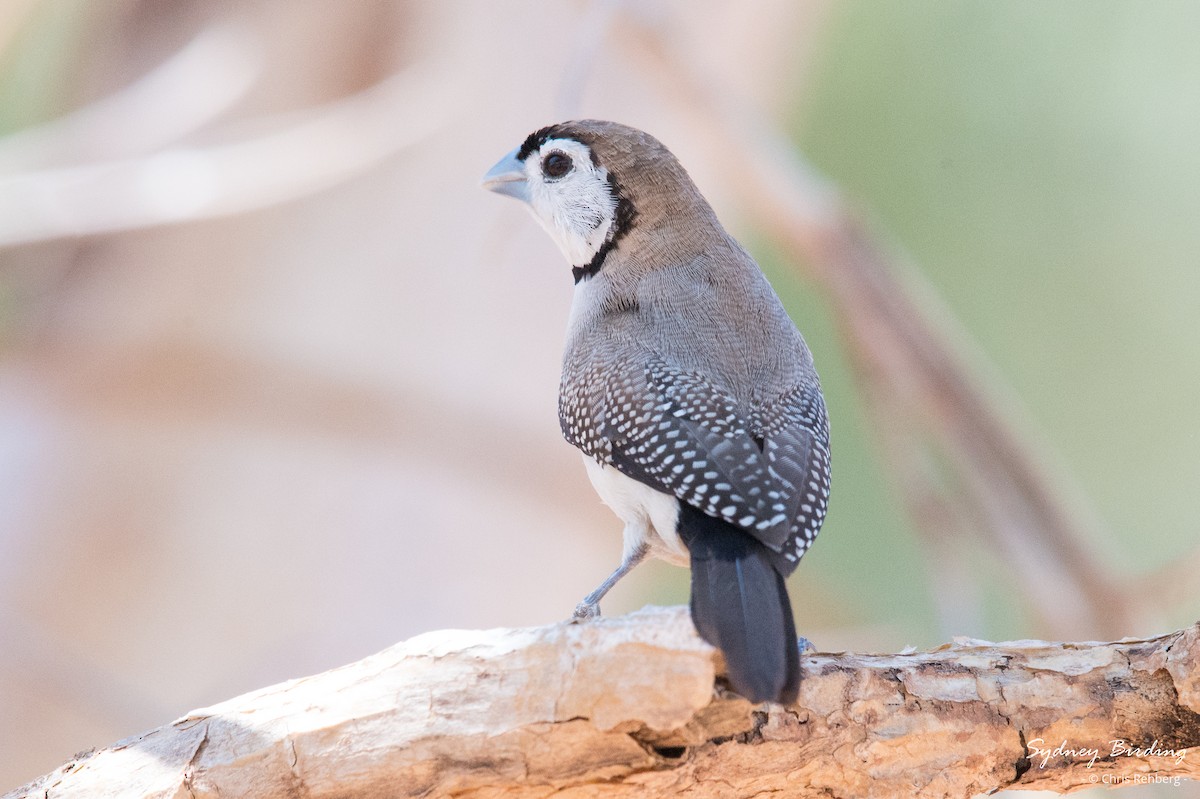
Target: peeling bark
x=626, y=707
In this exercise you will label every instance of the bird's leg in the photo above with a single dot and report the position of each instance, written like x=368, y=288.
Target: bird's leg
x=589, y=608
x=805, y=645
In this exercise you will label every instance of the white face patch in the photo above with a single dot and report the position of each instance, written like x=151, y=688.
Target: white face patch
x=577, y=208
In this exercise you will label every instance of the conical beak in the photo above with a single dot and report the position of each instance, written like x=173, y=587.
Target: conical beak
x=508, y=177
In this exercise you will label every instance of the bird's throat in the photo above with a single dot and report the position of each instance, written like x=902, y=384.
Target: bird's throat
x=593, y=266
x=618, y=227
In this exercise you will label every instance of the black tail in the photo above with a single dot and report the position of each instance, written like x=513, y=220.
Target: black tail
x=740, y=605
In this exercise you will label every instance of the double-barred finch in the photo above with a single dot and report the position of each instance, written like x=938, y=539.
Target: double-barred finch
x=686, y=385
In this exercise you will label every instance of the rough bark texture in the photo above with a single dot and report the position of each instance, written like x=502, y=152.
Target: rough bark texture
x=626, y=707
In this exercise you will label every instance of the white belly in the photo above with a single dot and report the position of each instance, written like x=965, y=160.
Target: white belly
x=650, y=515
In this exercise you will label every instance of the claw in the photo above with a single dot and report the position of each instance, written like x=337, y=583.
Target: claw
x=804, y=644
x=586, y=610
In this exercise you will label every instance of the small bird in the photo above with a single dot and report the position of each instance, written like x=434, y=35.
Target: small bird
x=689, y=390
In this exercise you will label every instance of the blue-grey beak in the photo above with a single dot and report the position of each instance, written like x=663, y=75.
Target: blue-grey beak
x=508, y=177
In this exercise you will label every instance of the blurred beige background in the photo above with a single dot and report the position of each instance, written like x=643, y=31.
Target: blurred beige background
x=278, y=380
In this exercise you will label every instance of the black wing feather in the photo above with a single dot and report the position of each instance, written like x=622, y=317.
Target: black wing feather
x=765, y=469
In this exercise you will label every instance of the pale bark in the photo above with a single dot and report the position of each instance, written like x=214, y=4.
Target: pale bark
x=626, y=707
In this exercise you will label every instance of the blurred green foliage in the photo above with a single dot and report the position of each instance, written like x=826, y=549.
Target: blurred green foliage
x=1039, y=162
x=867, y=568
x=36, y=65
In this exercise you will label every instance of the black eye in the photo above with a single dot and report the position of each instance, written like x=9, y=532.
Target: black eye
x=556, y=164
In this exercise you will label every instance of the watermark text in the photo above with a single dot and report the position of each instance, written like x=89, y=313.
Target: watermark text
x=1042, y=754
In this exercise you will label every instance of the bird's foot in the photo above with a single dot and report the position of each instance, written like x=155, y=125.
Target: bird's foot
x=803, y=643
x=586, y=610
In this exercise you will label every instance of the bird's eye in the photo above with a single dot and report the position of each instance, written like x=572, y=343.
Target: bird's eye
x=556, y=164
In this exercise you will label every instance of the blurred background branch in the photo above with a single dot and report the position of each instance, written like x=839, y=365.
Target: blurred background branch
x=158, y=181
x=186, y=91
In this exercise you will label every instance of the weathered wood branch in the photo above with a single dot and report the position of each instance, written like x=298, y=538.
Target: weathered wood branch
x=626, y=707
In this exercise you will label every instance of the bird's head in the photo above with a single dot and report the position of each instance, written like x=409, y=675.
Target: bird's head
x=591, y=183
